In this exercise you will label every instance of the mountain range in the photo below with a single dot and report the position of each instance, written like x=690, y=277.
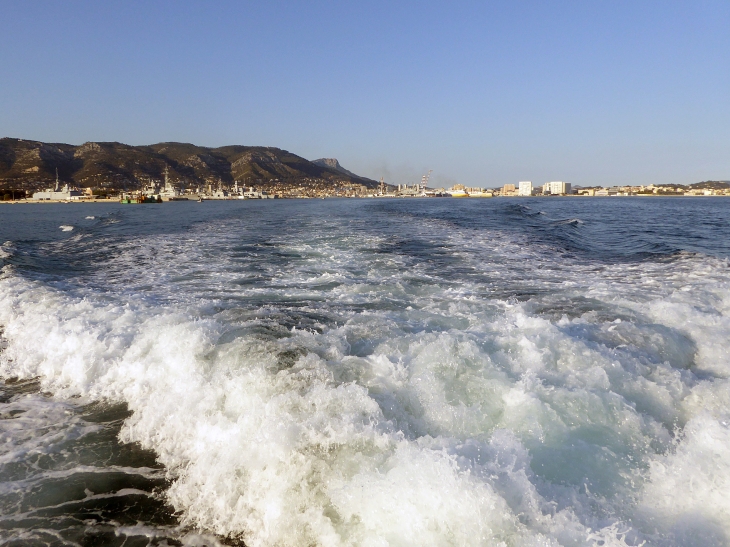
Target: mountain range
x=31, y=165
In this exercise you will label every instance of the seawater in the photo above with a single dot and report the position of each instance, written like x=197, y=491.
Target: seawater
x=517, y=372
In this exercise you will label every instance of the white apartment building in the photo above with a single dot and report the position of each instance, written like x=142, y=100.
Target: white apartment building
x=556, y=187
x=525, y=188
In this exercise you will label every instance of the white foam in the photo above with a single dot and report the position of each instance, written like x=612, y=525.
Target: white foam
x=445, y=416
x=269, y=454
x=688, y=488
x=66, y=228
x=6, y=249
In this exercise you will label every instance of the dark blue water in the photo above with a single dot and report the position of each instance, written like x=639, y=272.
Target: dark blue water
x=598, y=227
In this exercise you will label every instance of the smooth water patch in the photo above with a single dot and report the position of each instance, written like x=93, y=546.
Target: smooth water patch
x=66, y=479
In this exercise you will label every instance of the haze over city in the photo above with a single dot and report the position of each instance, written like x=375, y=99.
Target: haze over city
x=482, y=93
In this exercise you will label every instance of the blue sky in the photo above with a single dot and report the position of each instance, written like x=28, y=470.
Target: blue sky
x=483, y=93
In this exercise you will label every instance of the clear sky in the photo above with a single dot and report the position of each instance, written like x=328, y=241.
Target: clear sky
x=484, y=93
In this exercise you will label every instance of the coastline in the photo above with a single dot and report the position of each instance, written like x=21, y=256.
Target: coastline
x=469, y=198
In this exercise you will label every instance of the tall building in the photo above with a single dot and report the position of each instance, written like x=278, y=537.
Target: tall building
x=525, y=188
x=556, y=187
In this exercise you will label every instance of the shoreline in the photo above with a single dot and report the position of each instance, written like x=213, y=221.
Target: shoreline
x=194, y=200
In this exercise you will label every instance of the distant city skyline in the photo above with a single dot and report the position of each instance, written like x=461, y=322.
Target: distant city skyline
x=485, y=94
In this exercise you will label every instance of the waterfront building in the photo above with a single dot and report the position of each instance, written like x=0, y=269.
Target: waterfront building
x=405, y=190
x=525, y=188
x=556, y=188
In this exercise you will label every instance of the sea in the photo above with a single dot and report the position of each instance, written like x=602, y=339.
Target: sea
x=366, y=372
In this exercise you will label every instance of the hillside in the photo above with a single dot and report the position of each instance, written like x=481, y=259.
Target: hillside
x=712, y=184
x=31, y=165
x=332, y=163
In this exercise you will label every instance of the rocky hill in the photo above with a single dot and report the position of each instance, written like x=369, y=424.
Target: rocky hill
x=332, y=163
x=31, y=165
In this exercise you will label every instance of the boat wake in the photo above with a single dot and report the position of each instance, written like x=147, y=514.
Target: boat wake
x=446, y=387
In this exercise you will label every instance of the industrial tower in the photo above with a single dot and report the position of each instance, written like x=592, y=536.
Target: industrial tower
x=424, y=181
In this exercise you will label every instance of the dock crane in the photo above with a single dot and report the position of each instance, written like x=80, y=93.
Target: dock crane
x=424, y=181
